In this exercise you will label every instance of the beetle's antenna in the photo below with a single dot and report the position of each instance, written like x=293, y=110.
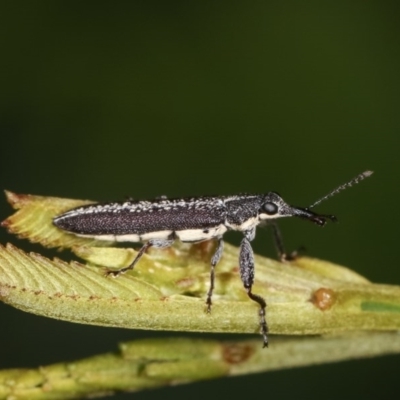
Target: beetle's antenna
x=354, y=181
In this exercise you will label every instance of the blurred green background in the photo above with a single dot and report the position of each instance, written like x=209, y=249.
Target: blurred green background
x=102, y=100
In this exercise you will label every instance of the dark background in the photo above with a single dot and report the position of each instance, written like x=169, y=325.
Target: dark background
x=101, y=100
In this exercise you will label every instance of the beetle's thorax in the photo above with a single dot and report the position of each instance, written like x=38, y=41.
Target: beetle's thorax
x=245, y=212
x=242, y=212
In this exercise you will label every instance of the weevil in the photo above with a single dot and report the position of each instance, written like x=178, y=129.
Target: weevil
x=160, y=222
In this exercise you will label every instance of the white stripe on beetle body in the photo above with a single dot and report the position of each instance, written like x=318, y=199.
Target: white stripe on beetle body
x=160, y=222
x=188, y=235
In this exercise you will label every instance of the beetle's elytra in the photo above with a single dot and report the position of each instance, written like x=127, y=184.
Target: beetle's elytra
x=160, y=222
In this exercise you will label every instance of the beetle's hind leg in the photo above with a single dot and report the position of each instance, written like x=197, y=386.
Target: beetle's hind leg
x=163, y=243
x=214, y=261
x=246, y=263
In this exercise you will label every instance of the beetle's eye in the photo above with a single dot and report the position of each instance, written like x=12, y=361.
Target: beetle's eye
x=270, y=208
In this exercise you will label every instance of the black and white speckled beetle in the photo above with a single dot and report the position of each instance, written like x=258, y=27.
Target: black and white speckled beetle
x=160, y=222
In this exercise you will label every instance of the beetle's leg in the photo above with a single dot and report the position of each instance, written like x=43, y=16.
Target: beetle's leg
x=246, y=263
x=151, y=243
x=282, y=255
x=214, y=261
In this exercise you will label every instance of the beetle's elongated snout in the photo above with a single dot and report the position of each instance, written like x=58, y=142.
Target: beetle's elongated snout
x=319, y=219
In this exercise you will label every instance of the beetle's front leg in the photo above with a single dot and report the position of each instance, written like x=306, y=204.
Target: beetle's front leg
x=151, y=243
x=246, y=263
x=282, y=255
x=214, y=261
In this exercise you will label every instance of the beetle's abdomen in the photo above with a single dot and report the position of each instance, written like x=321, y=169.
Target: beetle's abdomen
x=191, y=221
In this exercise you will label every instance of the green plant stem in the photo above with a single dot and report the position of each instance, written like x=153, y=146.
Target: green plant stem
x=145, y=364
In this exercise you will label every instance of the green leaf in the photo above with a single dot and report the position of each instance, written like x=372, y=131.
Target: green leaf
x=167, y=289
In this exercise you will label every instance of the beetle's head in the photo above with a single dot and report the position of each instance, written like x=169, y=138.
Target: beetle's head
x=273, y=206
